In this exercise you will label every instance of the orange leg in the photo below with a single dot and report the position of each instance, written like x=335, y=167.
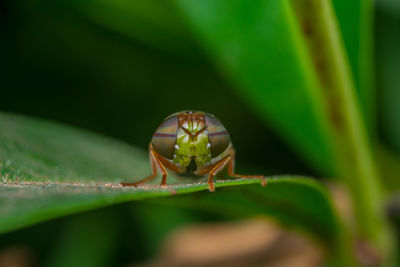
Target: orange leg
x=217, y=168
x=155, y=164
x=230, y=162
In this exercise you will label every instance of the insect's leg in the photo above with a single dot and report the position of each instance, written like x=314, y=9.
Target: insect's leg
x=231, y=170
x=155, y=164
x=216, y=169
x=163, y=172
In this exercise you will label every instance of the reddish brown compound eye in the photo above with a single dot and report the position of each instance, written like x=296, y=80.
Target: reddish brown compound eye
x=164, y=138
x=217, y=135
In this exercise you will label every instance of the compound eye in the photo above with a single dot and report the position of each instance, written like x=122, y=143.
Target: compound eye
x=164, y=138
x=217, y=135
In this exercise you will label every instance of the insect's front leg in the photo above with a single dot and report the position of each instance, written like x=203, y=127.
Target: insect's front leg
x=216, y=169
x=155, y=164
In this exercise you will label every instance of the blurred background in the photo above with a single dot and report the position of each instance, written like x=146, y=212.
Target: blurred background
x=121, y=76
x=119, y=69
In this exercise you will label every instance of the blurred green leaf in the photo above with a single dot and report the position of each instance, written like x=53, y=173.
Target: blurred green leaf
x=157, y=220
x=86, y=240
x=154, y=23
x=50, y=170
x=258, y=49
x=288, y=59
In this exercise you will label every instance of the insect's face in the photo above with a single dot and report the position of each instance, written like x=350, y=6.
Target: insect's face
x=191, y=138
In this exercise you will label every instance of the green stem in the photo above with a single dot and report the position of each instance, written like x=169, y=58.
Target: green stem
x=355, y=161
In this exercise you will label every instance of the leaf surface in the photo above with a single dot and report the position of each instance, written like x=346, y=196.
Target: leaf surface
x=50, y=170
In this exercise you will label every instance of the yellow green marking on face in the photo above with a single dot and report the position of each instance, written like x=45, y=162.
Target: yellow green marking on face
x=190, y=147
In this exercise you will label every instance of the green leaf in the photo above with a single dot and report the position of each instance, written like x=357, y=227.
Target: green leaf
x=50, y=170
x=258, y=49
x=154, y=23
x=288, y=59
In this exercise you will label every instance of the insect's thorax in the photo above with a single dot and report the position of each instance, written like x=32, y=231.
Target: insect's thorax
x=192, y=148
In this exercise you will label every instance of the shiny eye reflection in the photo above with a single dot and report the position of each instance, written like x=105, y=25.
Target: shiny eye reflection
x=193, y=144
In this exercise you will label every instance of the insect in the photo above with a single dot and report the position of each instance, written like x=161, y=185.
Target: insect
x=192, y=143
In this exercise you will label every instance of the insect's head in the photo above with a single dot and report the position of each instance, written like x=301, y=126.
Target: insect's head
x=188, y=135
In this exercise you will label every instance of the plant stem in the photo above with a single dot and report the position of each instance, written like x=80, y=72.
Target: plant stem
x=355, y=162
